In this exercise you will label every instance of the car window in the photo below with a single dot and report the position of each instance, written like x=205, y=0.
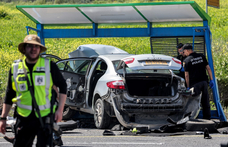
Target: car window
x=76, y=66
x=116, y=63
x=61, y=65
x=101, y=66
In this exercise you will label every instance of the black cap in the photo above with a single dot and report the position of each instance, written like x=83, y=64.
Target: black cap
x=187, y=46
x=179, y=45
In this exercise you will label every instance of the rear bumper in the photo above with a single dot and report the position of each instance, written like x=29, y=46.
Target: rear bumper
x=125, y=123
x=150, y=104
x=150, y=123
x=140, y=108
x=154, y=116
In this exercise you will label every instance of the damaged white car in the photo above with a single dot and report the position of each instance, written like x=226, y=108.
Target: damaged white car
x=138, y=90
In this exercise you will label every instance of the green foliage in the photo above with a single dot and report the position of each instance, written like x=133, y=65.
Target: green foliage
x=4, y=14
x=42, y=1
x=212, y=105
x=58, y=1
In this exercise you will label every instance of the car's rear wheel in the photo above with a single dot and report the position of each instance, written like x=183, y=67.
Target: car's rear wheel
x=101, y=118
x=68, y=113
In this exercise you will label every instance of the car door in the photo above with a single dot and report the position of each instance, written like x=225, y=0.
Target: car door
x=51, y=57
x=75, y=71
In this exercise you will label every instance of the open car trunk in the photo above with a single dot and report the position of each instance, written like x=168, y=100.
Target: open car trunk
x=151, y=85
x=150, y=75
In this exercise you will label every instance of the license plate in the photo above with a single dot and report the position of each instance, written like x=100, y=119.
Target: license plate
x=156, y=63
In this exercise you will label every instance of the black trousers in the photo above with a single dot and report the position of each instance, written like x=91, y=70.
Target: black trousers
x=25, y=131
x=203, y=87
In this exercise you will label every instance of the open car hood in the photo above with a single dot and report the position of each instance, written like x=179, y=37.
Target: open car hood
x=150, y=61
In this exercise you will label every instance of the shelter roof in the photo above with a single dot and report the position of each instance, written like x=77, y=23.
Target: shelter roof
x=124, y=13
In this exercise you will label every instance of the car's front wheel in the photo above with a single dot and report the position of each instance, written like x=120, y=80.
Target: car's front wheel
x=68, y=113
x=101, y=118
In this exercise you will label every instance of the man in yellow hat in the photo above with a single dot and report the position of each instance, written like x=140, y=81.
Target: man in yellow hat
x=30, y=84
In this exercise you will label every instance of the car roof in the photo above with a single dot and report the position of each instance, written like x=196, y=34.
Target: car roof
x=95, y=50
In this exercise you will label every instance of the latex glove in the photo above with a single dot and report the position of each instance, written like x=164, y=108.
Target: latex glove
x=188, y=89
x=211, y=84
x=182, y=69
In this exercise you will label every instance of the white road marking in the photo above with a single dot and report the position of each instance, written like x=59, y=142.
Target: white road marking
x=143, y=143
x=117, y=143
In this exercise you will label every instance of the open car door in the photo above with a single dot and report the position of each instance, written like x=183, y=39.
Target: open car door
x=75, y=71
x=51, y=57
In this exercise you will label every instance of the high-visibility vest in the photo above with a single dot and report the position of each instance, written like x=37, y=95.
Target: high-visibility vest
x=42, y=80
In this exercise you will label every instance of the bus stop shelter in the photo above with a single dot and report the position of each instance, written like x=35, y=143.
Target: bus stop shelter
x=100, y=16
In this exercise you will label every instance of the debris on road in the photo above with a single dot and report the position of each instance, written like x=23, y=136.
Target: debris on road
x=206, y=134
x=108, y=133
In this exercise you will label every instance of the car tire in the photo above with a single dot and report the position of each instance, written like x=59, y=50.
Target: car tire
x=101, y=118
x=68, y=113
x=200, y=125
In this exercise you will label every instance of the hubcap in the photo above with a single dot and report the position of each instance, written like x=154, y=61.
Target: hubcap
x=99, y=112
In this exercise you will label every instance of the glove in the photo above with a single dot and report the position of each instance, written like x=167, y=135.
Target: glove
x=182, y=69
x=211, y=84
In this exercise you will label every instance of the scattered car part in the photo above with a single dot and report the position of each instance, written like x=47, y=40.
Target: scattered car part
x=9, y=139
x=206, y=134
x=200, y=125
x=108, y=133
x=68, y=113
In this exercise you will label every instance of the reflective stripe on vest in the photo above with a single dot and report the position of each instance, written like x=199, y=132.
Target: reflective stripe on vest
x=15, y=71
x=23, y=106
x=47, y=76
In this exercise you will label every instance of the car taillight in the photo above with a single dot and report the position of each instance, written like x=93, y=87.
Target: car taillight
x=116, y=84
x=129, y=60
x=176, y=60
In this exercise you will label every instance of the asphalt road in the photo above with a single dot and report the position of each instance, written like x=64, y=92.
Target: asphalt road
x=94, y=138
x=90, y=137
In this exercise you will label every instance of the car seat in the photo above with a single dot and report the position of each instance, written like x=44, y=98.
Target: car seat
x=96, y=77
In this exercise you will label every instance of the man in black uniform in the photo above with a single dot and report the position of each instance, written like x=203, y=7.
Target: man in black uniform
x=195, y=66
x=42, y=75
x=181, y=57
